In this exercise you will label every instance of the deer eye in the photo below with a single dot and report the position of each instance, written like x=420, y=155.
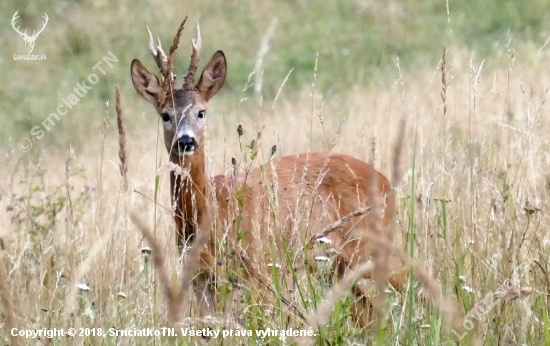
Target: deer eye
x=201, y=114
x=165, y=117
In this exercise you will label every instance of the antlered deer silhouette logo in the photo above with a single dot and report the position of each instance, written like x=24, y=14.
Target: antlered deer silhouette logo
x=29, y=40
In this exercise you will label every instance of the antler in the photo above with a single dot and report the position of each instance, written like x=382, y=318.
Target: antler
x=13, y=23
x=158, y=53
x=36, y=33
x=195, y=57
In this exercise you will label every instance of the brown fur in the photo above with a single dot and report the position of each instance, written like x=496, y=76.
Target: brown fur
x=263, y=213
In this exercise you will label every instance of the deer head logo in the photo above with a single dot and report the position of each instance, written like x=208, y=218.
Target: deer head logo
x=29, y=40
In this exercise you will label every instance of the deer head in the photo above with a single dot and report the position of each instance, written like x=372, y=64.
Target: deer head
x=29, y=40
x=183, y=110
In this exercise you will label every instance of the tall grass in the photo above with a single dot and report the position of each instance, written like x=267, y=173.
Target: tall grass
x=472, y=186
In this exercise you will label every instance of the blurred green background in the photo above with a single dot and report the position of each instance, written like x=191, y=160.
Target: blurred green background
x=357, y=44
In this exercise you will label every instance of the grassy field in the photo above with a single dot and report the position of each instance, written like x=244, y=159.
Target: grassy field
x=461, y=87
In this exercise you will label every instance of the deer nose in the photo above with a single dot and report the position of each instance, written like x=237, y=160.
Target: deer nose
x=187, y=143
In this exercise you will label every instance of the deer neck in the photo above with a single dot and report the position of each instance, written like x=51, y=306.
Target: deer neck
x=190, y=192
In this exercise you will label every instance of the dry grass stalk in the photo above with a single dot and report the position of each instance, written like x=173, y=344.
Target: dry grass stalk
x=173, y=47
x=397, y=153
x=169, y=78
x=380, y=255
x=444, y=80
x=7, y=299
x=99, y=209
x=336, y=293
x=505, y=294
x=172, y=167
x=121, y=142
x=68, y=186
x=338, y=224
x=192, y=257
x=159, y=261
x=513, y=294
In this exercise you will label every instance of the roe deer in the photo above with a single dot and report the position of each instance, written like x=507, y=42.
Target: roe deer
x=268, y=213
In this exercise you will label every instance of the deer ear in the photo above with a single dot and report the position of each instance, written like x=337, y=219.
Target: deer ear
x=213, y=76
x=146, y=83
